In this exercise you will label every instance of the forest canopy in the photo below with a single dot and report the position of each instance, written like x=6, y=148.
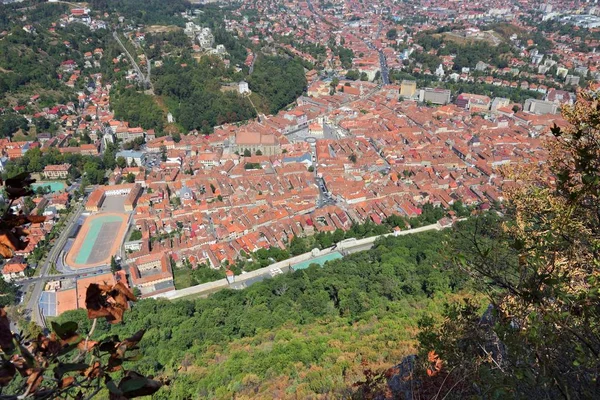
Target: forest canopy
x=370, y=285
x=147, y=12
x=278, y=80
x=137, y=108
x=195, y=89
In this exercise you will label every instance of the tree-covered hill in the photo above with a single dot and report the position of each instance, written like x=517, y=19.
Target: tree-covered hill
x=278, y=80
x=147, y=12
x=194, y=87
x=311, y=328
x=30, y=63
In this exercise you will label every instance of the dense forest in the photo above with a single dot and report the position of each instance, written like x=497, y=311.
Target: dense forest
x=195, y=88
x=361, y=293
x=467, y=55
x=147, y=12
x=278, y=80
x=31, y=60
x=137, y=108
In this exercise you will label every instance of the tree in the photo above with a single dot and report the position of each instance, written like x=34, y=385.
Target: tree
x=298, y=246
x=163, y=153
x=538, y=270
x=121, y=162
x=28, y=204
x=10, y=123
x=130, y=178
x=311, y=169
x=247, y=153
x=85, y=138
x=279, y=81
x=352, y=157
x=135, y=235
x=392, y=34
x=114, y=266
x=137, y=108
x=353, y=75
x=334, y=84
x=8, y=292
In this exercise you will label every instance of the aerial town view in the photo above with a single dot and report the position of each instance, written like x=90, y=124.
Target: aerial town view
x=313, y=199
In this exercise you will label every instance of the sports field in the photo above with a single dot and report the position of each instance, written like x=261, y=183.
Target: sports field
x=98, y=240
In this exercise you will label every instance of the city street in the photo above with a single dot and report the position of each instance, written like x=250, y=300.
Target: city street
x=38, y=282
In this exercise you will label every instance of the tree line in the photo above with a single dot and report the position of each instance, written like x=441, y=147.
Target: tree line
x=358, y=288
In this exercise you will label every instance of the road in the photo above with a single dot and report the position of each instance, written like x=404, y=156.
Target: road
x=82, y=273
x=38, y=282
x=385, y=72
x=144, y=80
x=251, y=69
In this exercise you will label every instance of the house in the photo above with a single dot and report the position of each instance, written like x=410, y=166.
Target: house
x=95, y=200
x=57, y=171
x=14, y=269
x=243, y=88
x=435, y=96
x=540, y=107
x=131, y=157
x=473, y=102
x=152, y=274
x=254, y=141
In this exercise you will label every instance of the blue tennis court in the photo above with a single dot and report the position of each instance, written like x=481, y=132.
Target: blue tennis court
x=48, y=304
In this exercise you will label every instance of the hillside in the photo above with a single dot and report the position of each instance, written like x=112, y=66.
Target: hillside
x=305, y=332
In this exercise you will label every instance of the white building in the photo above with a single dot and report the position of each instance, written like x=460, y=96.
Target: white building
x=243, y=87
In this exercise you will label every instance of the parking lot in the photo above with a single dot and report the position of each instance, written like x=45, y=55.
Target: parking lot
x=152, y=160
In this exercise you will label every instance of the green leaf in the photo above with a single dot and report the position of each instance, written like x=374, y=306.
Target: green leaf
x=62, y=369
x=112, y=387
x=69, y=348
x=132, y=385
x=65, y=330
